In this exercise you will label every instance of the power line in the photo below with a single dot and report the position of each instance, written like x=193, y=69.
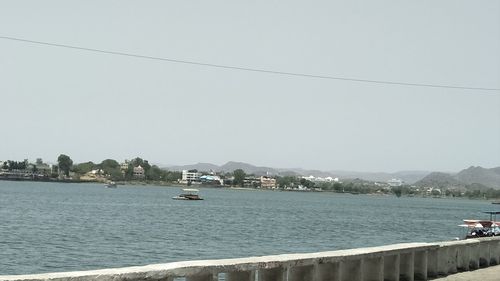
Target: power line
x=247, y=68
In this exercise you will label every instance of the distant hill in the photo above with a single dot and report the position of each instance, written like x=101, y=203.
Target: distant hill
x=248, y=168
x=409, y=177
x=487, y=177
x=472, y=176
x=496, y=170
x=441, y=180
x=228, y=167
x=198, y=166
x=406, y=176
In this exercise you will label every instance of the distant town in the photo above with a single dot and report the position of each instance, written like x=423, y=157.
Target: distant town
x=140, y=171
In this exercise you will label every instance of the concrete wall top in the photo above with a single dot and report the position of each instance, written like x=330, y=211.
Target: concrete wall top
x=162, y=271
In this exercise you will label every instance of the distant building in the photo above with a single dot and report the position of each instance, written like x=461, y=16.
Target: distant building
x=431, y=191
x=395, y=182
x=42, y=169
x=190, y=176
x=211, y=180
x=139, y=172
x=124, y=166
x=320, y=179
x=267, y=182
x=24, y=170
x=309, y=178
x=251, y=181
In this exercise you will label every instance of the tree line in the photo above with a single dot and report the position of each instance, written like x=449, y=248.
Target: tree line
x=114, y=170
x=108, y=168
x=111, y=169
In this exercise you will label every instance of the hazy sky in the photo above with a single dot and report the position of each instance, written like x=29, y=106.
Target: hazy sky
x=94, y=106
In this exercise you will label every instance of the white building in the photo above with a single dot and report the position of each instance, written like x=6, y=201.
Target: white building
x=267, y=182
x=395, y=182
x=321, y=179
x=190, y=176
x=139, y=172
x=124, y=165
x=211, y=180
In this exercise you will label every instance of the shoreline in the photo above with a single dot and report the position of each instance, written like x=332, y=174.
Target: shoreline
x=178, y=185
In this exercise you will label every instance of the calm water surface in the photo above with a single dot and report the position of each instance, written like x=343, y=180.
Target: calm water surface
x=47, y=227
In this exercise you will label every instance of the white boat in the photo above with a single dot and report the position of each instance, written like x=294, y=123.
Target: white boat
x=482, y=228
x=111, y=184
x=188, y=194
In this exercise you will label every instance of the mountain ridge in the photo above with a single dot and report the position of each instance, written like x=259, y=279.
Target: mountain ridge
x=407, y=176
x=472, y=176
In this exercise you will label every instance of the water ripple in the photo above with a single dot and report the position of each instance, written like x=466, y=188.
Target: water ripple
x=46, y=227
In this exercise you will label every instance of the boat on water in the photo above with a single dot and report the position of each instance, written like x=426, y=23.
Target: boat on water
x=111, y=184
x=482, y=228
x=188, y=194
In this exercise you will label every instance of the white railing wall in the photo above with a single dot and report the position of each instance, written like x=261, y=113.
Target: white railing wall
x=399, y=262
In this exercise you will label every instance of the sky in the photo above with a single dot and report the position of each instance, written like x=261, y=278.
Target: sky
x=93, y=106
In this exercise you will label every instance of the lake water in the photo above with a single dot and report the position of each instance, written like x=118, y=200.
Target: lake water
x=48, y=227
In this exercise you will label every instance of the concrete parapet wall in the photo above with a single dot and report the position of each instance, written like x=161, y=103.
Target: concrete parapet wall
x=399, y=262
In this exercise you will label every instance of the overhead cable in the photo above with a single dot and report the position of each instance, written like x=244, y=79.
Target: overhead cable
x=229, y=67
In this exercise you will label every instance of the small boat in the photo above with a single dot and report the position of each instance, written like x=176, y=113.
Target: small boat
x=111, y=184
x=188, y=194
x=482, y=228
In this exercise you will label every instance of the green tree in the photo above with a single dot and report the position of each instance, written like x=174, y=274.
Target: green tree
x=155, y=173
x=239, y=177
x=129, y=172
x=306, y=183
x=115, y=174
x=435, y=192
x=173, y=176
x=55, y=171
x=139, y=162
x=83, y=168
x=15, y=165
x=347, y=187
x=338, y=187
x=64, y=163
x=286, y=181
x=111, y=168
x=397, y=191
x=109, y=164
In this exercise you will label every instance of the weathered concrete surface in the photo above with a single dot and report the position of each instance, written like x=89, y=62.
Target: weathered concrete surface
x=487, y=274
x=201, y=267
x=399, y=262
